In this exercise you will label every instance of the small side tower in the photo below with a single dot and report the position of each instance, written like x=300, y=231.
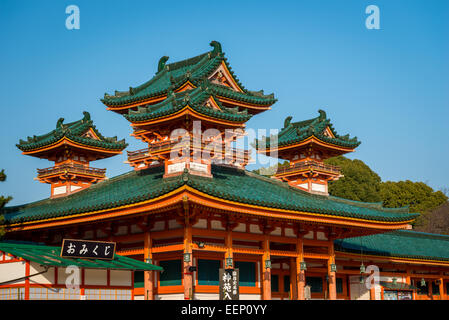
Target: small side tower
x=72, y=147
x=306, y=144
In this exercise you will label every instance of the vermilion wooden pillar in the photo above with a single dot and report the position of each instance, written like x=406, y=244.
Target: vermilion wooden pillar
x=266, y=272
x=331, y=274
x=300, y=275
x=293, y=281
x=27, y=280
x=441, y=285
x=228, y=245
x=188, y=276
x=148, y=275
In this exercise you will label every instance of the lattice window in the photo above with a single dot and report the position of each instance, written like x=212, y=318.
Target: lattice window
x=12, y=294
x=107, y=294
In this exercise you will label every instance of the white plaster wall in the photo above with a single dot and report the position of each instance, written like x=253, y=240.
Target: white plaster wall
x=254, y=229
x=12, y=270
x=122, y=230
x=216, y=225
x=309, y=235
x=74, y=188
x=320, y=236
x=121, y=278
x=158, y=226
x=250, y=297
x=241, y=227
x=172, y=296
x=277, y=231
x=289, y=232
x=135, y=229
x=59, y=190
x=207, y=296
x=95, y=277
x=62, y=276
x=318, y=187
x=45, y=278
x=201, y=224
x=173, y=224
x=358, y=290
x=139, y=297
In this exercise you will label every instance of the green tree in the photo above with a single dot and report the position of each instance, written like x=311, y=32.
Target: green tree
x=3, y=201
x=417, y=195
x=270, y=171
x=359, y=183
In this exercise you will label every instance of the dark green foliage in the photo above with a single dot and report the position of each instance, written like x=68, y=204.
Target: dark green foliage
x=3, y=201
x=417, y=195
x=270, y=171
x=359, y=183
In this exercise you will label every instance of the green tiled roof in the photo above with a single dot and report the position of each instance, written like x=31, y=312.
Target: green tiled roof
x=195, y=98
x=196, y=70
x=50, y=256
x=73, y=131
x=401, y=243
x=295, y=132
x=227, y=183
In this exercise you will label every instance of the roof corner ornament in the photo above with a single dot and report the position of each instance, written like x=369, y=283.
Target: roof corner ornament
x=287, y=121
x=217, y=47
x=161, y=64
x=131, y=90
x=59, y=123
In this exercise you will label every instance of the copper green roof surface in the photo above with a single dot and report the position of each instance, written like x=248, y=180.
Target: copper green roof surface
x=74, y=131
x=196, y=70
x=50, y=257
x=295, y=132
x=227, y=183
x=402, y=243
x=196, y=99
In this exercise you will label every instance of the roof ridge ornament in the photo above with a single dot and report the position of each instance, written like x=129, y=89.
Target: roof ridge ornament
x=161, y=63
x=322, y=114
x=217, y=47
x=287, y=121
x=86, y=116
x=59, y=123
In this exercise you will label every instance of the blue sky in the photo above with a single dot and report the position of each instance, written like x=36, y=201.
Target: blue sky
x=388, y=87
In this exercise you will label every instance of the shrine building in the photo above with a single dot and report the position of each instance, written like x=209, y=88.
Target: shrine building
x=189, y=206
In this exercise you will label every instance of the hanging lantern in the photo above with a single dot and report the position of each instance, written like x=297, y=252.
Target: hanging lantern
x=229, y=262
x=268, y=263
x=423, y=282
x=303, y=266
x=149, y=260
x=187, y=256
x=362, y=280
x=362, y=268
x=395, y=281
x=333, y=267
